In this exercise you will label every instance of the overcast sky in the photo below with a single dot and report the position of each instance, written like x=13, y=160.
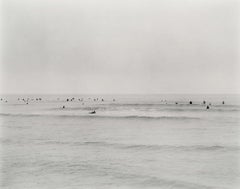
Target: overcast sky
x=120, y=46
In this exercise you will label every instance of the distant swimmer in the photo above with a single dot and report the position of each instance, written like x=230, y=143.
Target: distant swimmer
x=207, y=107
x=114, y=100
x=223, y=102
x=204, y=102
x=67, y=99
x=63, y=107
x=190, y=102
x=176, y=103
x=93, y=112
x=102, y=100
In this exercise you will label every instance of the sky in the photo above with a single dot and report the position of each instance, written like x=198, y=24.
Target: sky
x=113, y=46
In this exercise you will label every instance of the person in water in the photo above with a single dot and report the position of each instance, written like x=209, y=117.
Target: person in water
x=93, y=112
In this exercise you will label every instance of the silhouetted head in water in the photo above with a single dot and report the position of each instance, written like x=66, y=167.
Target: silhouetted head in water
x=63, y=107
x=176, y=103
x=207, y=107
x=204, y=102
x=223, y=102
x=190, y=102
x=93, y=112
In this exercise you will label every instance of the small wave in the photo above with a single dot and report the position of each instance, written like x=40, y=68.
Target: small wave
x=148, y=147
x=169, y=183
x=105, y=116
x=184, y=148
x=180, y=184
x=20, y=115
x=173, y=105
x=155, y=107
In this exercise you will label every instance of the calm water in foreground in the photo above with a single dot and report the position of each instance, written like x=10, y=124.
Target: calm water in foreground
x=135, y=141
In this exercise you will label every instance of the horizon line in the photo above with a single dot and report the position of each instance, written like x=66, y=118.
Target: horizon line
x=119, y=93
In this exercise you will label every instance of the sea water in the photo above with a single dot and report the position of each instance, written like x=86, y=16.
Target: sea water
x=133, y=141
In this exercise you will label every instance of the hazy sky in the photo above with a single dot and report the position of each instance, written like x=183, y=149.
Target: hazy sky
x=120, y=46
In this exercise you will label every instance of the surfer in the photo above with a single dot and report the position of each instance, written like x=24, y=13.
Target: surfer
x=93, y=112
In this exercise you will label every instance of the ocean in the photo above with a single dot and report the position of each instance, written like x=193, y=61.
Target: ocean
x=132, y=141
